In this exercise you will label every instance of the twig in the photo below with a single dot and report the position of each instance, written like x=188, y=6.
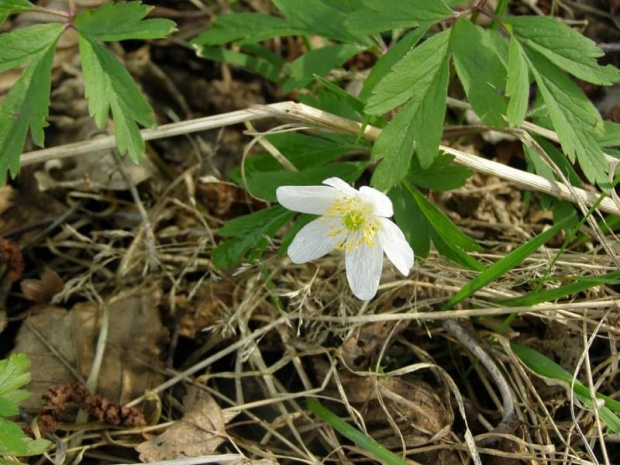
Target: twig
x=334, y=123
x=509, y=420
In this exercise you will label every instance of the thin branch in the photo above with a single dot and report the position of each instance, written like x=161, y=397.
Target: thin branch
x=331, y=122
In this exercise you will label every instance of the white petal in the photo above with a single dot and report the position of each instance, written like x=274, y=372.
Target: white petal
x=364, y=266
x=315, y=200
x=314, y=240
x=381, y=203
x=395, y=246
x=341, y=186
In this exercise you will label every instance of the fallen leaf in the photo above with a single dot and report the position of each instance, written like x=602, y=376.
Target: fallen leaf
x=201, y=430
x=132, y=357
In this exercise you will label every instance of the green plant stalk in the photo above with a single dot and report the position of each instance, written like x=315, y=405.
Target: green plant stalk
x=362, y=440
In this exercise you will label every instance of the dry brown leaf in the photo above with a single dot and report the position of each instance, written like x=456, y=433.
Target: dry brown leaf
x=132, y=358
x=201, y=430
x=43, y=290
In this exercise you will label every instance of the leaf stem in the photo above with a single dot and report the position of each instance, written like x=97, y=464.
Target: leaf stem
x=49, y=11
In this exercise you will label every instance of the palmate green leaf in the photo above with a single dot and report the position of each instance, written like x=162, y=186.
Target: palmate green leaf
x=121, y=21
x=574, y=118
x=386, y=15
x=26, y=44
x=108, y=86
x=442, y=175
x=563, y=46
x=518, y=84
x=418, y=126
x=412, y=75
x=247, y=234
x=481, y=72
x=393, y=55
x=316, y=17
x=245, y=28
x=318, y=61
x=505, y=264
x=25, y=107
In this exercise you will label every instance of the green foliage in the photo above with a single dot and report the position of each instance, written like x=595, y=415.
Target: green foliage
x=505, y=264
x=247, y=236
x=421, y=78
x=362, y=440
x=108, y=85
x=481, y=72
x=387, y=15
x=564, y=47
x=13, y=441
x=547, y=368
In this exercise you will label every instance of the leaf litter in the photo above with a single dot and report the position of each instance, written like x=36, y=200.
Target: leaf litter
x=278, y=332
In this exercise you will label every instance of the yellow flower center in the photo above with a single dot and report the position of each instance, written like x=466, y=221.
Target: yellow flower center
x=358, y=224
x=354, y=220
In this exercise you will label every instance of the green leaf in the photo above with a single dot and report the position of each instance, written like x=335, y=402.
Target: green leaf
x=318, y=61
x=109, y=86
x=14, y=373
x=26, y=44
x=612, y=135
x=412, y=76
x=393, y=55
x=257, y=64
x=417, y=127
x=245, y=28
x=574, y=118
x=386, y=15
x=263, y=184
x=505, y=264
x=572, y=289
x=250, y=232
x=118, y=21
x=9, y=7
x=11, y=439
x=518, y=84
x=481, y=72
x=362, y=440
x=25, y=107
x=442, y=224
x=565, y=47
x=316, y=17
x=411, y=221
x=546, y=367
x=7, y=408
x=454, y=254
x=442, y=175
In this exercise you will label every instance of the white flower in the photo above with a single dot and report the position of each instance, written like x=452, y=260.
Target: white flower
x=353, y=221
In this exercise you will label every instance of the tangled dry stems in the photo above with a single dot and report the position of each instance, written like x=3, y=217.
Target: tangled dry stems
x=305, y=314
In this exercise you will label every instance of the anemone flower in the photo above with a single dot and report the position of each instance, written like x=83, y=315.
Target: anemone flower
x=353, y=221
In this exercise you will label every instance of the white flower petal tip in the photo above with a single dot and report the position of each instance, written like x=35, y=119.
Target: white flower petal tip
x=353, y=221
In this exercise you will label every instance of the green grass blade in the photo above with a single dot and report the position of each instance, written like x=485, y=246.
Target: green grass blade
x=362, y=440
x=504, y=265
x=546, y=367
x=582, y=284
